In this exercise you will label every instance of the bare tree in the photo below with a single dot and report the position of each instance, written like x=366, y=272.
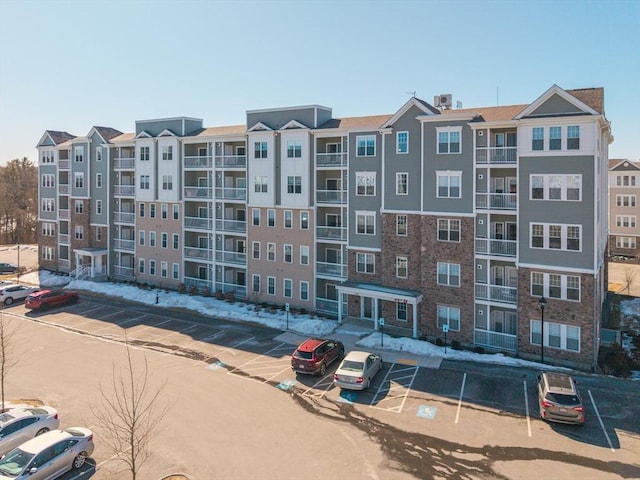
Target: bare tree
x=130, y=412
x=7, y=360
x=629, y=278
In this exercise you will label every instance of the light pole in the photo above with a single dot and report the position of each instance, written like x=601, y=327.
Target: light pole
x=542, y=303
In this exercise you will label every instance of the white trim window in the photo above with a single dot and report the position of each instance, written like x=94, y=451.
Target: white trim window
x=144, y=154
x=365, y=223
x=402, y=183
x=556, y=335
x=573, y=137
x=176, y=241
x=98, y=154
x=141, y=210
x=260, y=184
x=294, y=149
x=625, y=242
x=78, y=154
x=176, y=211
x=255, y=283
x=49, y=180
x=626, y=200
x=260, y=150
x=164, y=269
x=287, y=252
x=255, y=250
x=402, y=267
x=287, y=287
x=167, y=182
x=78, y=180
x=98, y=207
x=449, y=140
x=448, y=230
x=152, y=267
x=449, y=274
x=48, y=229
x=271, y=252
x=365, y=262
x=402, y=142
x=48, y=253
x=78, y=206
x=556, y=187
x=555, y=138
x=537, y=138
x=304, y=291
x=625, y=180
x=449, y=316
x=141, y=265
x=167, y=152
x=255, y=215
x=144, y=182
x=48, y=205
x=448, y=184
x=294, y=184
x=304, y=220
x=366, y=146
x=401, y=225
x=164, y=240
x=626, y=221
x=99, y=234
x=365, y=183
x=555, y=237
x=164, y=211
x=271, y=285
x=79, y=232
x=152, y=239
x=141, y=235
x=288, y=219
x=175, y=271
x=554, y=285
x=304, y=255
x=98, y=180
x=401, y=311
x=271, y=218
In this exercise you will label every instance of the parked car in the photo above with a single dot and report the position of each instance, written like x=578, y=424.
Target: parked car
x=8, y=268
x=50, y=298
x=314, y=355
x=17, y=425
x=558, y=398
x=10, y=293
x=48, y=455
x=357, y=369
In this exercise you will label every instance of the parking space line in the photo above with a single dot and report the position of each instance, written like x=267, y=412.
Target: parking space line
x=233, y=347
x=385, y=394
x=219, y=333
x=310, y=392
x=464, y=379
x=153, y=325
x=593, y=402
x=275, y=375
x=179, y=332
x=255, y=359
x=526, y=406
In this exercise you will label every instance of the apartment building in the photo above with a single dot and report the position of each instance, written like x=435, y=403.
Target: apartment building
x=624, y=191
x=430, y=218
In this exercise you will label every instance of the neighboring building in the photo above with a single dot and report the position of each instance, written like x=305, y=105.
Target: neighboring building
x=624, y=191
x=429, y=217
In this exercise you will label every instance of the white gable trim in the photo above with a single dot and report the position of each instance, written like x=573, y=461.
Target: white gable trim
x=260, y=126
x=42, y=139
x=167, y=133
x=91, y=132
x=143, y=134
x=293, y=124
x=556, y=90
x=413, y=101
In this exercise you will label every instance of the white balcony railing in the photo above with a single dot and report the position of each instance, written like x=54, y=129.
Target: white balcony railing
x=64, y=188
x=64, y=238
x=124, y=244
x=123, y=272
x=497, y=201
x=331, y=269
x=198, y=253
x=64, y=263
x=229, y=193
x=497, y=340
x=238, y=226
x=124, y=217
x=64, y=214
x=331, y=233
x=198, y=192
x=226, y=256
x=497, y=155
x=124, y=163
x=198, y=223
x=199, y=283
x=496, y=293
x=197, y=162
x=240, y=291
x=126, y=190
x=331, y=196
x=331, y=159
x=502, y=248
x=63, y=164
x=231, y=161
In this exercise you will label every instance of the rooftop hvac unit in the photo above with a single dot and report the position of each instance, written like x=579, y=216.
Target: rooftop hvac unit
x=443, y=101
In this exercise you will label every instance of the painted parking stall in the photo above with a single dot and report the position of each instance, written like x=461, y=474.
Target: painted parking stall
x=396, y=385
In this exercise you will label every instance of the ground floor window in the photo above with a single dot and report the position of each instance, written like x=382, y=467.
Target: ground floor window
x=556, y=335
x=449, y=316
x=401, y=311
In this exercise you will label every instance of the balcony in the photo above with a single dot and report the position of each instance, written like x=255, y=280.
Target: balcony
x=64, y=214
x=226, y=256
x=235, y=226
x=124, y=217
x=64, y=238
x=331, y=160
x=64, y=263
x=124, y=190
x=496, y=293
x=198, y=162
x=497, y=340
x=63, y=164
x=124, y=244
x=331, y=196
x=337, y=270
x=228, y=193
x=231, y=161
x=496, y=201
x=501, y=248
x=331, y=233
x=496, y=155
x=124, y=163
x=195, y=253
x=198, y=223
x=199, y=283
x=240, y=291
x=198, y=192
x=64, y=188
x=124, y=272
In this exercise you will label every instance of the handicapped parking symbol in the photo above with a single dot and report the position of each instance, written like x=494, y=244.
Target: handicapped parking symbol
x=216, y=365
x=425, y=411
x=286, y=385
x=347, y=396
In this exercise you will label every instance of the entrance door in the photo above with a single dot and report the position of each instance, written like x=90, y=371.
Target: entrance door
x=367, y=308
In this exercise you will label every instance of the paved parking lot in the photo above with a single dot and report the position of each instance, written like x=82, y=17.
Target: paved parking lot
x=236, y=380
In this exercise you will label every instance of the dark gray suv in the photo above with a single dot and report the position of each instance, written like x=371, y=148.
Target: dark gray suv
x=559, y=399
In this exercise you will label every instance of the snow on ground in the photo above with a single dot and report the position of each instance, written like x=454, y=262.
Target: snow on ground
x=307, y=324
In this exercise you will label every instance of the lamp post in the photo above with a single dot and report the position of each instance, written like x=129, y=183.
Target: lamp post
x=542, y=302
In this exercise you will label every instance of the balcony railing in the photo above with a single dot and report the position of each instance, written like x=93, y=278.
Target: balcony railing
x=496, y=293
x=199, y=223
x=497, y=340
x=124, y=163
x=496, y=155
x=198, y=192
x=64, y=188
x=331, y=269
x=64, y=238
x=123, y=272
x=240, y=291
x=198, y=162
x=231, y=225
x=64, y=214
x=127, y=190
x=331, y=196
x=497, y=201
x=199, y=283
x=198, y=253
x=64, y=263
x=124, y=244
x=502, y=248
x=331, y=233
x=227, y=256
x=231, y=161
x=63, y=164
x=124, y=217
x=331, y=159
x=229, y=193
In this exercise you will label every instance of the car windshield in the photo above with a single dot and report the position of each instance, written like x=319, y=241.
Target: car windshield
x=14, y=462
x=352, y=366
x=563, y=399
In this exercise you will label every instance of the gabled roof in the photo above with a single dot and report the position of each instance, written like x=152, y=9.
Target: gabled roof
x=373, y=122
x=220, y=131
x=593, y=97
x=125, y=137
x=106, y=133
x=260, y=127
x=569, y=97
x=167, y=133
x=55, y=137
x=144, y=134
x=293, y=124
x=489, y=114
x=412, y=102
x=616, y=163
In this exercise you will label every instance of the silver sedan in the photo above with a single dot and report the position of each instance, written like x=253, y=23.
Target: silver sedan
x=17, y=425
x=356, y=370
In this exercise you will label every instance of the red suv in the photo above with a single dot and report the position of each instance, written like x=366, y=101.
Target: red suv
x=315, y=354
x=50, y=298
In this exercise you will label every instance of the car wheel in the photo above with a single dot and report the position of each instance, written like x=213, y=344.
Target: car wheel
x=8, y=301
x=79, y=460
x=41, y=431
x=323, y=369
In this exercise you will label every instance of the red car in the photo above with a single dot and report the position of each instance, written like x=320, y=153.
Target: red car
x=314, y=355
x=50, y=298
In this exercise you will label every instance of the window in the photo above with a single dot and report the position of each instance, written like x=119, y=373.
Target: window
x=304, y=255
x=365, y=183
x=176, y=212
x=152, y=239
x=449, y=139
x=271, y=218
x=98, y=207
x=401, y=225
x=164, y=210
x=152, y=267
x=167, y=183
x=255, y=250
x=176, y=241
x=164, y=240
x=304, y=220
x=365, y=223
x=152, y=210
x=627, y=221
x=402, y=183
x=573, y=137
x=365, y=262
x=402, y=267
x=288, y=253
x=48, y=253
x=449, y=316
x=402, y=142
x=557, y=335
x=78, y=154
x=78, y=179
x=141, y=238
x=449, y=274
x=79, y=232
x=141, y=265
x=448, y=230
x=48, y=180
x=144, y=154
x=288, y=287
x=98, y=180
x=557, y=237
x=626, y=200
x=401, y=311
x=288, y=219
x=255, y=283
x=304, y=291
x=48, y=205
x=626, y=180
x=256, y=217
x=260, y=149
x=141, y=210
x=294, y=149
x=449, y=184
x=164, y=267
x=48, y=229
x=144, y=182
x=176, y=271
x=537, y=139
x=79, y=206
x=294, y=184
x=554, y=285
x=556, y=187
x=271, y=285
x=555, y=138
x=366, y=146
x=260, y=184
x=626, y=242
x=271, y=252
x=167, y=152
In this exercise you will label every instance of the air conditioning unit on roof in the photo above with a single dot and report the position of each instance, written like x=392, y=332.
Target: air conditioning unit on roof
x=443, y=101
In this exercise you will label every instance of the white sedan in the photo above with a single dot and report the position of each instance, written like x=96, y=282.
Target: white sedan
x=11, y=293
x=17, y=425
x=357, y=369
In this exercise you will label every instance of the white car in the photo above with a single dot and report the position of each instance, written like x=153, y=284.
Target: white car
x=48, y=455
x=11, y=293
x=357, y=369
x=18, y=425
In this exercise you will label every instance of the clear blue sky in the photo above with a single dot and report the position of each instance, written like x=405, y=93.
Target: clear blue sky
x=70, y=65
